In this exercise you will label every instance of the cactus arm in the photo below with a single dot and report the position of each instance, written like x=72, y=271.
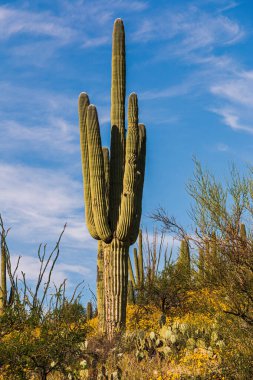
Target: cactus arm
x=136, y=264
x=107, y=175
x=140, y=258
x=140, y=182
x=83, y=103
x=97, y=177
x=130, y=272
x=127, y=212
x=118, y=91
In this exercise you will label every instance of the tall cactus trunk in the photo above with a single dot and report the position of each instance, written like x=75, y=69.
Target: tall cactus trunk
x=100, y=287
x=113, y=186
x=115, y=281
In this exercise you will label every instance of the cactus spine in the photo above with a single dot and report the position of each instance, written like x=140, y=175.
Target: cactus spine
x=113, y=187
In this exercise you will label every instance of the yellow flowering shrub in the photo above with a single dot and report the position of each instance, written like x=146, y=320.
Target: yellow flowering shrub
x=143, y=318
x=206, y=301
x=199, y=362
x=92, y=325
x=197, y=321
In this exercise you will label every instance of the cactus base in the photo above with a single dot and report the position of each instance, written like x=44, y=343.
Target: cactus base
x=115, y=282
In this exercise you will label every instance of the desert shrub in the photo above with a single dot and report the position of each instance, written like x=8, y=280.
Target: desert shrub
x=52, y=344
x=237, y=356
x=41, y=334
x=142, y=317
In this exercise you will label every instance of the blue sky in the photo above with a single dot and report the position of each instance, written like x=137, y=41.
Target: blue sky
x=191, y=64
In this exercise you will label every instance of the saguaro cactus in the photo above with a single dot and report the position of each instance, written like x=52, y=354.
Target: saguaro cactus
x=184, y=259
x=136, y=280
x=89, y=311
x=113, y=186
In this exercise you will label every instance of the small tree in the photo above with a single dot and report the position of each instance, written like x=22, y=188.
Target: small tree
x=225, y=245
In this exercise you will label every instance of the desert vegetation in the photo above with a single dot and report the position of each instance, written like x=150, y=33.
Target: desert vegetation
x=162, y=312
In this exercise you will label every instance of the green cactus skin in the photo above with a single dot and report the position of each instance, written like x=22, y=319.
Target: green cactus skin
x=89, y=311
x=83, y=106
x=140, y=258
x=130, y=293
x=100, y=254
x=3, y=284
x=118, y=94
x=131, y=273
x=97, y=175
x=115, y=285
x=136, y=265
x=107, y=176
x=184, y=259
x=113, y=187
x=137, y=279
x=100, y=287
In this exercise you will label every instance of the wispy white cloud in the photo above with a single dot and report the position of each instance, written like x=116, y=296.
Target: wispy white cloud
x=238, y=90
x=30, y=266
x=232, y=117
x=73, y=24
x=221, y=147
x=17, y=21
x=226, y=5
x=95, y=42
x=235, y=98
x=37, y=121
x=194, y=36
x=57, y=136
x=193, y=29
x=172, y=91
x=37, y=202
x=33, y=102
